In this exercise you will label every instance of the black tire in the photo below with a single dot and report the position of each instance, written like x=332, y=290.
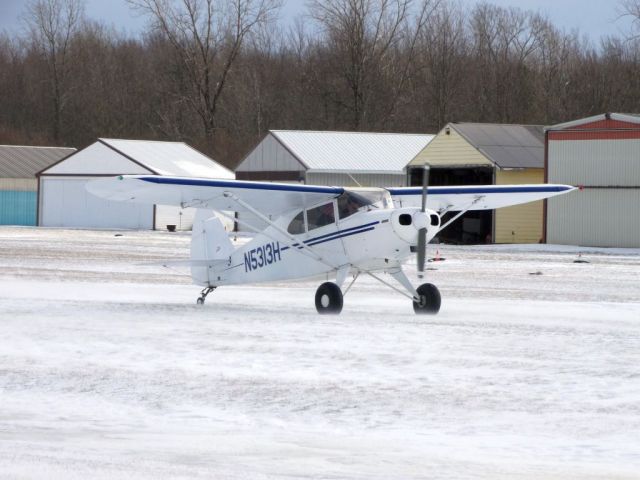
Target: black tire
x=430, y=296
x=200, y=301
x=329, y=299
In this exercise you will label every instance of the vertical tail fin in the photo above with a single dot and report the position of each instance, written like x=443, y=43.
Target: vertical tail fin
x=209, y=241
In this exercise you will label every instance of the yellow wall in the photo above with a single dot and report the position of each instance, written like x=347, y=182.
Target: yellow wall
x=522, y=223
x=450, y=149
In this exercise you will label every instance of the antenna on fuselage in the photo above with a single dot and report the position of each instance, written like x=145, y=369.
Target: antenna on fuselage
x=422, y=233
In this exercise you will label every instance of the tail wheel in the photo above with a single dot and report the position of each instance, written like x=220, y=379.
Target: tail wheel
x=429, y=300
x=329, y=299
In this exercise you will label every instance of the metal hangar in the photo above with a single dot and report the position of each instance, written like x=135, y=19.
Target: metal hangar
x=601, y=154
x=64, y=202
x=332, y=158
x=487, y=154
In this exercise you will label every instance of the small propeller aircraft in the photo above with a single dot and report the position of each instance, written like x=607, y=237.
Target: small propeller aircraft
x=316, y=230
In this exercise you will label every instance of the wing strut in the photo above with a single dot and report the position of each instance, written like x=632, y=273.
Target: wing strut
x=460, y=213
x=402, y=279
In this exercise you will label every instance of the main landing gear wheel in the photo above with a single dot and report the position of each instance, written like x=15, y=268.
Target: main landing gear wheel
x=329, y=299
x=429, y=300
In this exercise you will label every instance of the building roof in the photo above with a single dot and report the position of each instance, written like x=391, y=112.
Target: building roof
x=117, y=156
x=508, y=146
x=352, y=151
x=616, y=117
x=169, y=158
x=24, y=162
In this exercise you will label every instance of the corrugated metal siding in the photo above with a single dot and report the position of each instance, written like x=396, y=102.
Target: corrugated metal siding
x=18, y=207
x=270, y=155
x=595, y=162
x=595, y=218
x=19, y=184
x=365, y=179
x=25, y=162
x=521, y=223
x=606, y=217
x=450, y=149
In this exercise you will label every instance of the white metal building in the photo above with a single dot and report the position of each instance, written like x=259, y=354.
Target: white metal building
x=64, y=202
x=602, y=155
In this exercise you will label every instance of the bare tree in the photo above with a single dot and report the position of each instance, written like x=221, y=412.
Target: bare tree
x=631, y=8
x=505, y=39
x=441, y=64
x=364, y=36
x=52, y=24
x=553, y=62
x=207, y=37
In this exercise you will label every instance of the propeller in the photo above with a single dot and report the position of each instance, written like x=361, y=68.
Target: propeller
x=422, y=233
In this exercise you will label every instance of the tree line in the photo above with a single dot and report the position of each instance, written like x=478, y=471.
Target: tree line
x=220, y=74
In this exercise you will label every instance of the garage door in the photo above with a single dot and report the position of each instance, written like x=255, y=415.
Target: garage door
x=64, y=202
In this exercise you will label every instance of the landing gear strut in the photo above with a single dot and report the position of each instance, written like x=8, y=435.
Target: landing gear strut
x=203, y=295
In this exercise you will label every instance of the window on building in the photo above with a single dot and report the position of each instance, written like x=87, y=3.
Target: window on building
x=296, y=226
x=320, y=216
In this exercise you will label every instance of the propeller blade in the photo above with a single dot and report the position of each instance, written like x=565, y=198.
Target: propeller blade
x=422, y=233
x=422, y=250
x=425, y=184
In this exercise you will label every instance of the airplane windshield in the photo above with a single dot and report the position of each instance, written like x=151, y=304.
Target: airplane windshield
x=364, y=198
x=349, y=203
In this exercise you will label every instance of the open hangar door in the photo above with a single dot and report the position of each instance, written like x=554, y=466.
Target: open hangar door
x=475, y=227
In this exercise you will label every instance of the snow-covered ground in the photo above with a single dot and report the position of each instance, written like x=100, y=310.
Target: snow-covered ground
x=108, y=369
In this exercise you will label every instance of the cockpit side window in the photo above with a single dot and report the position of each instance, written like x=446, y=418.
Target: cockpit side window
x=320, y=216
x=296, y=226
x=348, y=204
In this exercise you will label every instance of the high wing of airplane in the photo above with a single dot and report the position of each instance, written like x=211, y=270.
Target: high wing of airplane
x=316, y=230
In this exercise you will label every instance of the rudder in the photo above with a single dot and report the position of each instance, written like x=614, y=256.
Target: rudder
x=209, y=241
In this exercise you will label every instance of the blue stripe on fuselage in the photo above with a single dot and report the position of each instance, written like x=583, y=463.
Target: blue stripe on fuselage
x=335, y=235
x=348, y=234
x=341, y=231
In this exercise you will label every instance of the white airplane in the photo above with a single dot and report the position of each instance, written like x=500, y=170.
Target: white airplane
x=316, y=230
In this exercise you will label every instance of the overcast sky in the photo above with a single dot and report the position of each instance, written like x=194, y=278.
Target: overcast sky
x=594, y=18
